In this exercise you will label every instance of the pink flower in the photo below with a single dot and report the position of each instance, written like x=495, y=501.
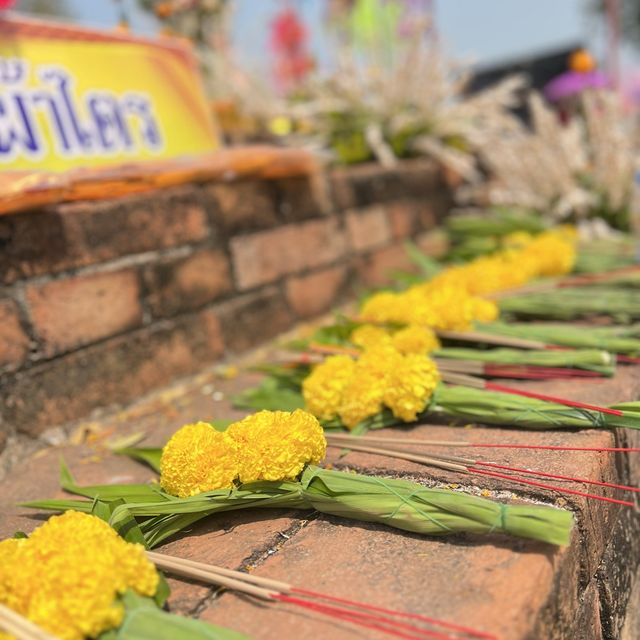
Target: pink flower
x=288, y=33
x=6, y=4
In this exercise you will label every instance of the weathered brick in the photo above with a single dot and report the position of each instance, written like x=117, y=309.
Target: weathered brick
x=249, y=532
x=302, y=197
x=312, y=294
x=369, y=563
x=80, y=310
x=73, y=235
x=144, y=223
x=175, y=286
x=264, y=257
x=433, y=209
x=367, y=184
x=252, y=319
x=377, y=268
x=115, y=371
x=243, y=206
x=4, y=436
x=37, y=242
x=433, y=243
x=368, y=228
x=403, y=218
x=14, y=343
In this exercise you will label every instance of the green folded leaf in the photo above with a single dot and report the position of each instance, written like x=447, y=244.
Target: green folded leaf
x=578, y=302
x=149, y=455
x=587, y=359
x=143, y=620
x=220, y=425
x=399, y=504
x=428, y=266
x=269, y=395
x=617, y=339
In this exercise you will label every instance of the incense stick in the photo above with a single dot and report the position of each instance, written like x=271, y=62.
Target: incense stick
x=439, y=461
x=466, y=443
x=489, y=338
x=344, y=609
x=23, y=629
x=477, y=383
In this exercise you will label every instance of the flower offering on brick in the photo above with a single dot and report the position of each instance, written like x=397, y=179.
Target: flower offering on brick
x=68, y=575
x=269, y=445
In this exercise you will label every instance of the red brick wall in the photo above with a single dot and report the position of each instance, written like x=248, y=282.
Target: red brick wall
x=101, y=302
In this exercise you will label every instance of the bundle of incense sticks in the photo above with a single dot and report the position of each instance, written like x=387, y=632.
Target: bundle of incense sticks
x=392, y=622
x=391, y=447
x=20, y=628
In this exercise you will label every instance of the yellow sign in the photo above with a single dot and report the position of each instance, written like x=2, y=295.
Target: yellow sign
x=76, y=98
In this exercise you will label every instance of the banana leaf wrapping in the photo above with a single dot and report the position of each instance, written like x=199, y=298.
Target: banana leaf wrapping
x=617, y=339
x=143, y=620
x=588, y=359
x=579, y=302
x=495, y=407
x=395, y=503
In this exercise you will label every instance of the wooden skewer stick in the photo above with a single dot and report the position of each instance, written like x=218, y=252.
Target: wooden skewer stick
x=23, y=629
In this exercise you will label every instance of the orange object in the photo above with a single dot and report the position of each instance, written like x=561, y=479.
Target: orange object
x=581, y=61
x=20, y=190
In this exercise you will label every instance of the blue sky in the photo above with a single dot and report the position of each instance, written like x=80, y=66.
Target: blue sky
x=483, y=30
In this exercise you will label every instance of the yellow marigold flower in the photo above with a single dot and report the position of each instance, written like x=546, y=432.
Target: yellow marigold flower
x=362, y=398
x=67, y=576
x=379, y=306
x=323, y=388
x=368, y=335
x=276, y=445
x=415, y=339
x=196, y=459
x=485, y=310
x=553, y=253
x=517, y=239
x=410, y=385
x=439, y=305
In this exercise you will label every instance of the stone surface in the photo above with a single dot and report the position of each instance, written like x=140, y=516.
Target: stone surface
x=14, y=343
x=316, y=293
x=264, y=257
x=72, y=312
x=183, y=284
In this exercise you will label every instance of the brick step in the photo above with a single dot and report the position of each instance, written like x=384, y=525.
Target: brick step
x=516, y=589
